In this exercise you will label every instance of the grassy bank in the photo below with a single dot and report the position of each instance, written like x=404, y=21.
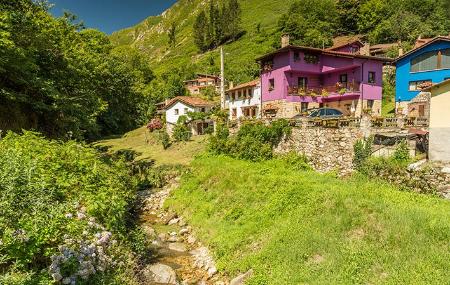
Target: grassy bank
x=295, y=227
x=148, y=147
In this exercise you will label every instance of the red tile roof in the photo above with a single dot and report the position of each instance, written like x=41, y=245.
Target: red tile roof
x=244, y=85
x=190, y=101
x=342, y=41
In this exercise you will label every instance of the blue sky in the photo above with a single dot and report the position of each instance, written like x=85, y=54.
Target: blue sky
x=111, y=15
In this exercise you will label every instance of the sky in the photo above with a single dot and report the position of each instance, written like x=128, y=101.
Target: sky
x=111, y=15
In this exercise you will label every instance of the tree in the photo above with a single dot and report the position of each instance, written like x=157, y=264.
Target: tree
x=172, y=34
x=201, y=31
x=310, y=22
x=234, y=13
x=348, y=13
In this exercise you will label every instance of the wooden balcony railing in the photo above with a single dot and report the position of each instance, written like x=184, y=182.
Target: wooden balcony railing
x=324, y=90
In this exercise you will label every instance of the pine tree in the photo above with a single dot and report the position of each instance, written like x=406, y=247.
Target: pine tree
x=234, y=14
x=172, y=34
x=201, y=31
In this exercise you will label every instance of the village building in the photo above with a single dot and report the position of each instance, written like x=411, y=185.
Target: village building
x=182, y=106
x=244, y=100
x=439, y=129
x=202, y=81
x=427, y=64
x=295, y=79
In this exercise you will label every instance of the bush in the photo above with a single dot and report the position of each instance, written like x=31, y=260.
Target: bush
x=401, y=153
x=254, y=140
x=362, y=151
x=155, y=124
x=57, y=198
x=181, y=133
x=164, y=138
x=297, y=161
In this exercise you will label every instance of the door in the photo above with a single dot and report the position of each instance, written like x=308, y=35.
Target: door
x=343, y=79
x=302, y=83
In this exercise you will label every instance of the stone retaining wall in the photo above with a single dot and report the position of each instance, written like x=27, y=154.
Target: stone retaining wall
x=327, y=149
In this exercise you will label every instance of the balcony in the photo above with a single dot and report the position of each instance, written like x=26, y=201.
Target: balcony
x=325, y=91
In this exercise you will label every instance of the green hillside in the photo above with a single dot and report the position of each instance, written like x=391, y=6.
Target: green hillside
x=150, y=36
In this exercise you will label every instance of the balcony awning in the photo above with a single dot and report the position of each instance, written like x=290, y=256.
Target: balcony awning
x=335, y=98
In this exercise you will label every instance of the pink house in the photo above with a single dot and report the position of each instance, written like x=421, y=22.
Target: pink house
x=295, y=79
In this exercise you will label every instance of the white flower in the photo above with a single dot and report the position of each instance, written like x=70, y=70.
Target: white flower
x=69, y=215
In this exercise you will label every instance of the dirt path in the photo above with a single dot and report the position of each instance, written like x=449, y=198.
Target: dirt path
x=180, y=258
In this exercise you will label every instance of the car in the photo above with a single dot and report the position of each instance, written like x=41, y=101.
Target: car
x=325, y=113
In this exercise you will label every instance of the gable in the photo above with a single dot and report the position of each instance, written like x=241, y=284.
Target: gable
x=437, y=44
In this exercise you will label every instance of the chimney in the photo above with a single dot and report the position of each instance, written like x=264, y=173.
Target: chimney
x=365, y=50
x=284, y=40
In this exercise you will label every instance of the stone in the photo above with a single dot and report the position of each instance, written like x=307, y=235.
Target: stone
x=191, y=239
x=173, y=222
x=446, y=170
x=416, y=165
x=179, y=247
x=212, y=271
x=162, y=273
x=240, y=280
x=172, y=239
x=184, y=231
x=163, y=237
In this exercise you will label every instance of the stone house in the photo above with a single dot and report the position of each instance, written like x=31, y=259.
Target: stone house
x=419, y=107
x=439, y=140
x=295, y=79
x=244, y=100
x=182, y=106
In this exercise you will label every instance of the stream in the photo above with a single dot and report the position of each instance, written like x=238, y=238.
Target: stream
x=179, y=257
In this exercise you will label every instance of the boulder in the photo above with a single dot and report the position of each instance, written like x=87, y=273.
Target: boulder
x=240, y=280
x=176, y=246
x=162, y=273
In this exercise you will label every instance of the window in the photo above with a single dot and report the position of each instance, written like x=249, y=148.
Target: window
x=369, y=104
x=304, y=107
x=354, y=49
x=271, y=84
x=176, y=111
x=371, y=78
x=424, y=62
x=311, y=58
x=446, y=58
x=302, y=83
x=234, y=112
x=203, y=110
x=185, y=110
x=343, y=79
x=296, y=56
x=415, y=85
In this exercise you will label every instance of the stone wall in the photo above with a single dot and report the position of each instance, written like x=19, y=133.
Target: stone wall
x=327, y=149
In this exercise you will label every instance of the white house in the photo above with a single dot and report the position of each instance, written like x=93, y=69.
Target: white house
x=181, y=106
x=244, y=100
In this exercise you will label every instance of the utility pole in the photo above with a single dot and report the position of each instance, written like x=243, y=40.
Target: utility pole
x=222, y=79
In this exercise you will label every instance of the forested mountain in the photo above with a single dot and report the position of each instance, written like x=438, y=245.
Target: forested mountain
x=309, y=22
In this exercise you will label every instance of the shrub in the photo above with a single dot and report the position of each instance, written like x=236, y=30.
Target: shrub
x=362, y=151
x=401, y=153
x=164, y=138
x=57, y=198
x=155, y=124
x=254, y=140
x=181, y=133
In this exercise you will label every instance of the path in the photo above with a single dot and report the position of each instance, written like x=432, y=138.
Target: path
x=180, y=259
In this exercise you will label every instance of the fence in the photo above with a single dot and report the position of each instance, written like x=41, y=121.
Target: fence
x=394, y=123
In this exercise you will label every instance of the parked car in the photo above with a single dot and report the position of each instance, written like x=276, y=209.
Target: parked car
x=325, y=113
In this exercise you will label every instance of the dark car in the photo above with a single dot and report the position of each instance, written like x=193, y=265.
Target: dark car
x=325, y=113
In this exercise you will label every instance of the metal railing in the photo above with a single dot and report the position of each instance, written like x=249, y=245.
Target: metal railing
x=324, y=90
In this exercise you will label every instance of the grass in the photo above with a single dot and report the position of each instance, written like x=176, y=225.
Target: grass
x=300, y=227
x=149, y=148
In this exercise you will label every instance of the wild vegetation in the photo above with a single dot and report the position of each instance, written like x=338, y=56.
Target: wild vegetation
x=65, y=214
x=64, y=80
x=217, y=25
x=254, y=140
x=294, y=226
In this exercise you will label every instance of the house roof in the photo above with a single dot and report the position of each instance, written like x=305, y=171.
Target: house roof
x=190, y=101
x=429, y=89
x=427, y=43
x=321, y=51
x=203, y=76
x=382, y=47
x=422, y=97
x=245, y=85
x=342, y=41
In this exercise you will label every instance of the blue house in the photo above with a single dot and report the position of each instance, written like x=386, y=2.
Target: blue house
x=429, y=63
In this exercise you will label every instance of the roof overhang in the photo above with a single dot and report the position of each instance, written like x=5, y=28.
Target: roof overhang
x=436, y=39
